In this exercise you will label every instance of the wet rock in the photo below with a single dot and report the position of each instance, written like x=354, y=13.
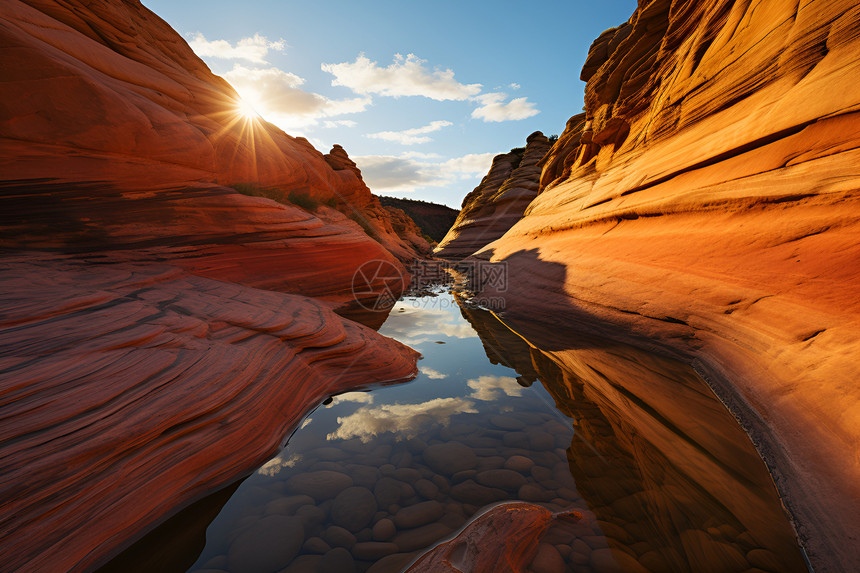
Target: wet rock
x=304, y=564
x=614, y=531
x=453, y=520
x=501, y=478
x=365, y=476
x=441, y=482
x=408, y=475
x=316, y=545
x=547, y=560
x=516, y=440
x=416, y=445
x=311, y=516
x=520, y=464
x=387, y=469
x=268, y=545
x=392, y=564
x=507, y=423
x=421, y=537
x=217, y=562
x=541, y=474
x=387, y=491
x=287, y=505
x=449, y=458
x=418, y=514
x=476, y=494
x=339, y=537
x=653, y=561
x=463, y=476
x=353, y=508
x=580, y=552
x=384, y=530
x=606, y=561
x=533, y=492
x=373, y=550
x=426, y=488
x=492, y=462
x=339, y=560
x=320, y=485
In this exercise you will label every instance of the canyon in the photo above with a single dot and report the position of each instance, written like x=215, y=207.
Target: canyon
x=171, y=271
x=706, y=206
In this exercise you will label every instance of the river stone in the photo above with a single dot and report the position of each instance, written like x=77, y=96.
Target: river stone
x=339, y=560
x=533, y=492
x=463, y=475
x=316, y=545
x=449, y=458
x=426, y=488
x=392, y=563
x=384, y=530
x=353, y=508
x=320, y=485
x=516, y=440
x=268, y=545
x=328, y=454
x=421, y=537
x=502, y=479
x=408, y=475
x=365, y=476
x=373, y=550
x=579, y=552
x=287, y=505
x=606, y=561
x=418, y=514
x=507, y=423
x=387, y=491
x=311, y=516
x=548, y=560
x=540, y=441
x=475, y=494
x=520, y=464
x=303, y=564
x=339, y=537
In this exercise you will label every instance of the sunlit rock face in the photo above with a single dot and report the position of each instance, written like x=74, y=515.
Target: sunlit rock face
x=706, y=205
x=141, y=366
x=108, y=92
x=498, y=202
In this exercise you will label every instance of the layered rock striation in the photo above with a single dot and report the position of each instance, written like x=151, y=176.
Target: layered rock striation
x=706, y=205
x=498, y=202
x=157, y=339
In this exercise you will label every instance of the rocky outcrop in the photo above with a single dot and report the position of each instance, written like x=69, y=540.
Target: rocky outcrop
x=142, y=366
x=707, y=206
x=498, y=202
x=109, y=93
x=433, y=219
x=130, y=390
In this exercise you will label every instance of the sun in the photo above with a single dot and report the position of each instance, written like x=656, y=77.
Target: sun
x=246, y=110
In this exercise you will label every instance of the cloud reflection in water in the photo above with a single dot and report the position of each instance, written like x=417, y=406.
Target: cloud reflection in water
x=404, y=420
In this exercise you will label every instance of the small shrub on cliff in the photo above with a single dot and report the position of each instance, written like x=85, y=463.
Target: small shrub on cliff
x=365, y=225
x=303, y=200
x=254, y=190
x=553, y=138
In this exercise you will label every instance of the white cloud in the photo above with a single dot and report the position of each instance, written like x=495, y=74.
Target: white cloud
x=329, y=124
x=490, y=388
x=514, y=86
x=359, y=397
x=494, y=108
x=406, y=76
x=405, y=420
x=274, y=466
x=277, y=96
x=411, y=136
x=431, y=373
x=405, y=173
x=253, y=49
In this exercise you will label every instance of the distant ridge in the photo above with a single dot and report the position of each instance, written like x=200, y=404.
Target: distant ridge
x=433, y=219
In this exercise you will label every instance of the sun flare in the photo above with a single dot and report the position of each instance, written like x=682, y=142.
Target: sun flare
x=246, y=110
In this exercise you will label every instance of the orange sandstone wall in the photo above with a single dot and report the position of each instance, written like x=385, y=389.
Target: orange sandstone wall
x=707, y=205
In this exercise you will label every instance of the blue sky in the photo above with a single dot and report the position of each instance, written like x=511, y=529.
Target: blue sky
x=420, y=94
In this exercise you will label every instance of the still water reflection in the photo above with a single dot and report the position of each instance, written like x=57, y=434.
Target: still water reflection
x=665, y=479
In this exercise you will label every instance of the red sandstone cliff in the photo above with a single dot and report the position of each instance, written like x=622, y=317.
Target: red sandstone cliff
x=141, y=366
x=707, y=205
x=498, y=201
